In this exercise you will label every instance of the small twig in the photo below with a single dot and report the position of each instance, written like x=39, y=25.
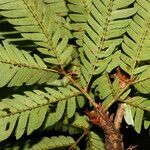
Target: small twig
x=119, y=116
x=78, y=140
x=132, y=147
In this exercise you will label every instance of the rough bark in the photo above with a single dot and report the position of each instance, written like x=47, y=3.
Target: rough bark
x=113, y=137
x=119, y=116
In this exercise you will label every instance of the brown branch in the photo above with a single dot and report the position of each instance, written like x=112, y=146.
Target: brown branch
x=119, y=116
x=132, y=147
x=73, y=147
x=113, y=138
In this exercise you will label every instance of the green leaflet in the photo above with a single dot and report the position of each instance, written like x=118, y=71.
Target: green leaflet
x=33, y=122
x=54, y=117
x=139, y=102
x=146, y=124
x=79, y=124
x=58, y=6
x=7, y=126
x=138, y=120
x=134, y=112
x=43, y=143
x=79, y=12
x=120, y=4
x=104, y=90
x=65, y=95
x=95, y=142
x=71, y=107
x=81, y=101
x=114, y=62
x=143, y=80
x=60, y=109
x=81, y=121
x=109, y=92
x=128, y=115
x=39, y=17
x=18, y=67
x=65, y=56
x=71, y=129
x=119, y=14
x=28, y=112
x=22, y=124
x=136, y=45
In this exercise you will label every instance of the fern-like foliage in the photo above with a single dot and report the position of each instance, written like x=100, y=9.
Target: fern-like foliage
x=22, y=111
x=78, y=14
x=60, y=57
x=109, y=25
x=31, y=19
x=135, y=112
x=18, y=67
x=106, y=23
x=43, y=143
x=135, y=61
x=136, y=47
x=95, y=142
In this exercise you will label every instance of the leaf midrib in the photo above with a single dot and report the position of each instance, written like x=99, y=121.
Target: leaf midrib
x=102, y=40
x=134, y=105
x=42, y=105
x=140, y=46
x=50, y=45
x=29, y=66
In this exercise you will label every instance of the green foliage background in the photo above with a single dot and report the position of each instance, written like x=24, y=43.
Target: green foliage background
x=89, y=39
